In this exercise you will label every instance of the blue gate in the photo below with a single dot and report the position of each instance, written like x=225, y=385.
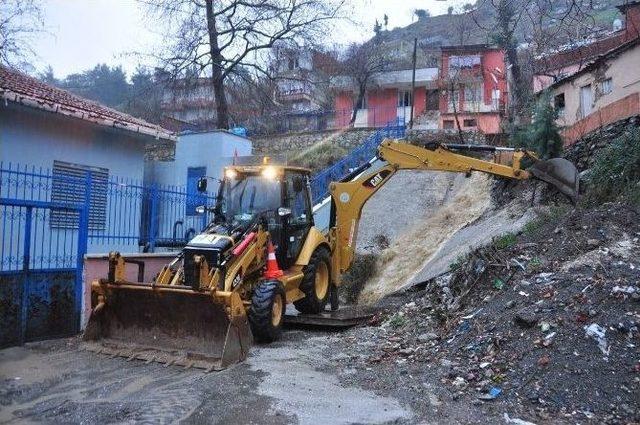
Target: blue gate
x=43, y=246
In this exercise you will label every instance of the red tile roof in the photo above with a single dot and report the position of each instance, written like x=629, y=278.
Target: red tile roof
x=18, y=87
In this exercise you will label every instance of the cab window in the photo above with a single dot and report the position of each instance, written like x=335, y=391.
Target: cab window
x=298, y=199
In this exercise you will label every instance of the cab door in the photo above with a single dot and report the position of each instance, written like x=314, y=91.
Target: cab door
x=297, y=224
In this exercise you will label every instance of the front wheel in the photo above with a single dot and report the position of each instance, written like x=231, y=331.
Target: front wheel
x=267, y=311
x=316, y=283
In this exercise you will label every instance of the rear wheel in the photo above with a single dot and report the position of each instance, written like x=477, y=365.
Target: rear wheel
x=316, y=283
x=267, y=311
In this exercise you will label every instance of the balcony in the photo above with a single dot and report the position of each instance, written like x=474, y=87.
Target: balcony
x=295, y=94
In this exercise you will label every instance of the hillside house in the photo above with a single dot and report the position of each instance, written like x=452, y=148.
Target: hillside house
x=571, y=59
x=474, y=87
x=603, y=92
x=389, y=99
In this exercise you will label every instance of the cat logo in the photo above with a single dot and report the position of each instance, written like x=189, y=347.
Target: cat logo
x=377, y=179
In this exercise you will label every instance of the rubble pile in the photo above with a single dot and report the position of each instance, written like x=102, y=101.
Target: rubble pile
x=543, y=326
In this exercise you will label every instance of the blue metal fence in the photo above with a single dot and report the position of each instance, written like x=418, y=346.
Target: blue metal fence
x=363, y=153
x=124, y=214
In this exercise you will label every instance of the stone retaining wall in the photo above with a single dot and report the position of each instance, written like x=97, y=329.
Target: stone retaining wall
x=583, y=151
x=295, y=142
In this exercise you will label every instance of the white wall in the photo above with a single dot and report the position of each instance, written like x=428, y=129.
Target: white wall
x=213, y=150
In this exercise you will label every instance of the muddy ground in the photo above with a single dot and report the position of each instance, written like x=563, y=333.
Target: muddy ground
x=291, y=381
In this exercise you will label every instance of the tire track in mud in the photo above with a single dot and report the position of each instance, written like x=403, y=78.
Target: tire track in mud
x=82, y=387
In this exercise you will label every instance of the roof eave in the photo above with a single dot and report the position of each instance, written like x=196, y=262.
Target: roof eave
x=156, y=132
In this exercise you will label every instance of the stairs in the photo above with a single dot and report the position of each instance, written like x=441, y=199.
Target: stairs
x=357, y=157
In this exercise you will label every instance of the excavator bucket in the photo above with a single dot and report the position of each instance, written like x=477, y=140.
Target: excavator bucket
x=168, y=325
x=560, y=173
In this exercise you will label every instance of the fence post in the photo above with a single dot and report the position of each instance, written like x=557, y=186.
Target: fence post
x=153, y=208
x=25, y=267
x=83, y=237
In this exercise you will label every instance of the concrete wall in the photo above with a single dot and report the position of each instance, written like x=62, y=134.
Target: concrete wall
x=621, y=69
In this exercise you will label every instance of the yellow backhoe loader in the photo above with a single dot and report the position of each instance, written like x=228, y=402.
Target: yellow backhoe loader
x=228, y=286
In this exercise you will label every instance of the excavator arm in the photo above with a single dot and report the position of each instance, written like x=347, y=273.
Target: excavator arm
x=349, y=197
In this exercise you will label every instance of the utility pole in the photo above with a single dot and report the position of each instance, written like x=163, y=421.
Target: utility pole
x=413, y=80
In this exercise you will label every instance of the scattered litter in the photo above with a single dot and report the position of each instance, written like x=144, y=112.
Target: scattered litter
x=544, y=326
x=491, y=395
x=17, y=378
x=472, y=315
x=464, y=327
x=459, y=382
x=484, y=365
x=544, y=360
x=519, y=264
x=548, y=340
x=498, y=283
x=546, y=277
x=524, y=294
x=516, y=421
x=597, y=332
x=625, y=290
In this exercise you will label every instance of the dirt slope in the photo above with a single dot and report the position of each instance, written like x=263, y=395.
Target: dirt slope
x=541, y=326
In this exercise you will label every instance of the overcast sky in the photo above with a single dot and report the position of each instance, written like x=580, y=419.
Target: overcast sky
x=82, y=33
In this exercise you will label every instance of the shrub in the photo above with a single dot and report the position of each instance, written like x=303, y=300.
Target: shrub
x=505, y=241
x=616, y=170
x=397, y=321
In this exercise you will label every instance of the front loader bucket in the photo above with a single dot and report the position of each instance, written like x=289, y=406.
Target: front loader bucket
x=560, y=173
x=168, y=325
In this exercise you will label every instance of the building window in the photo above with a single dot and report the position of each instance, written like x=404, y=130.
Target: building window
x=447, y=124
x=606, y=86
x=558, y=104
x=404, y=98
x=473, y=93
x=470, y=123
x=194, y=198
x=69, y=186
x=586, y=100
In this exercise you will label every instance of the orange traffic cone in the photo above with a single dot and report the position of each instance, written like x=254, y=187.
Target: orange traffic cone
x=273, y=270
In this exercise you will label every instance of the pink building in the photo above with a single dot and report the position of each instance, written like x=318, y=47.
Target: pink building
x=471, y=76
x=474, y=87
x=389, y=99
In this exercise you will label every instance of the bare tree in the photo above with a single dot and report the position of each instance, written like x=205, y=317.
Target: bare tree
x=543, y=26
x=20, y=22
x=361, y=64
x=221, y=37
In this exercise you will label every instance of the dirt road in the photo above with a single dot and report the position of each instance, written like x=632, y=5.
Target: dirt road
x=284, y=383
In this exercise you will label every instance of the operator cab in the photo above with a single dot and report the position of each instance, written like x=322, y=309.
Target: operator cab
x=277, y=195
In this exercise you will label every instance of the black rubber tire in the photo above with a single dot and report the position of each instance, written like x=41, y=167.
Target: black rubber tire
x=260, y=312
x=311, y=304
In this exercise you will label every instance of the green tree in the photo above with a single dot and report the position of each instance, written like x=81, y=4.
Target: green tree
x=543, y=134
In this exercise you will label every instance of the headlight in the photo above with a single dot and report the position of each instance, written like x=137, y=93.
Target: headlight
x=269, y=173
x=201, y=209
x=230, y=173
